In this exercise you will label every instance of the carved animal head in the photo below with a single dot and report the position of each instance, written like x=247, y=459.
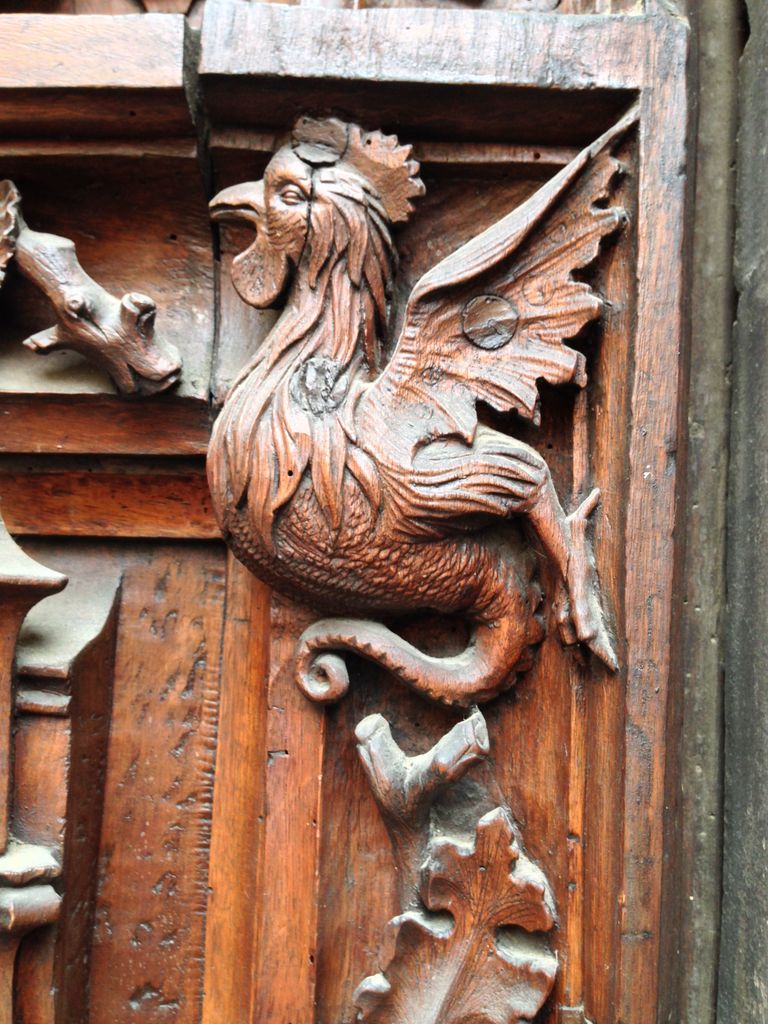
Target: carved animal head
x=331, y=192
x=116, y=335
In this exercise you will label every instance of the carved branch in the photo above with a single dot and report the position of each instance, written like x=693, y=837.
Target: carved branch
x=406, y=787
x=117, y=335
x=470, y=946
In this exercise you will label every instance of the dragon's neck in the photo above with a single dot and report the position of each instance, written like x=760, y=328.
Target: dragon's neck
x=324, y=339
x=286, y=414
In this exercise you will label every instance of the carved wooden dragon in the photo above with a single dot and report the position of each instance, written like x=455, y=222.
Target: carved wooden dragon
x=365, y=485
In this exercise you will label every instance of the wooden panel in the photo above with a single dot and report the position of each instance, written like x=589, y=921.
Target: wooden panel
x=142, y=52
x=278, y=56
x=290, y=913
x=238, y=806
x=652, y=651
x=290, y=895
x=717, y=46
x=603, y=699
x=98, y=499
x=147, y=958
x=102, y=425
x=742, y=991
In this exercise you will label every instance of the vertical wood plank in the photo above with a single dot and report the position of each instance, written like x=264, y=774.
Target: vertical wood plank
x=743, y=975
x=236, y=865
x=152, y=895
x=716, y=29
x=284, y=985
x=609, y=405
x=651, y=515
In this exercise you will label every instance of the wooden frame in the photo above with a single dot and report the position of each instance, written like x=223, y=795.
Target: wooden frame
x=256, y=64
x=553, y=83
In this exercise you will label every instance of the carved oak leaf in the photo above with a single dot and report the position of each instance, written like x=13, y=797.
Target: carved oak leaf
x=479, y=956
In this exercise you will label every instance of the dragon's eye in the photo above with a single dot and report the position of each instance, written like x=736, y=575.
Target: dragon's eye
x=291, y=195
x=76, y=306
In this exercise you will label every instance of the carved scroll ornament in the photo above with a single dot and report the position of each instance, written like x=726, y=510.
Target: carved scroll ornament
x=117, y=335
x=367, y=486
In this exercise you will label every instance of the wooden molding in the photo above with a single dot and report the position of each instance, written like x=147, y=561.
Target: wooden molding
x=130, y=73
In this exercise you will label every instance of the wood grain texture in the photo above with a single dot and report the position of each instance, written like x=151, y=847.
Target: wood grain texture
x=144, y=52
x=302, y=884
x=292, y=828
x=742, y=990
x=87, y=498
x=237, y=867
x=319, y=52
x=102, y=425
x=153, y=870
x=654, y=440
x=253, y=40
x=129, y=71
x=717, y=47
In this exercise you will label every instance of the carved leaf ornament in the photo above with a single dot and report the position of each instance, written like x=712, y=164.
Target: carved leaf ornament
x=477, y=953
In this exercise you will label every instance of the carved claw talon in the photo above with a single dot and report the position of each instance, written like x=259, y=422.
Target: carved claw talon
x=585, y=621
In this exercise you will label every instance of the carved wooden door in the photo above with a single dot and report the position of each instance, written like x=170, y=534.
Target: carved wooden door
x=372, y=721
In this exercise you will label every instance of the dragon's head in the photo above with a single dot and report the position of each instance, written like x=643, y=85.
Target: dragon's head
x=332, y=190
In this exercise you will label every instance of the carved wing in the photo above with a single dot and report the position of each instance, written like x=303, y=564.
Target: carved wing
x=488, y=322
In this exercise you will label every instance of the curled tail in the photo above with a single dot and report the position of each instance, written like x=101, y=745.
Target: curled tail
x=496, y=652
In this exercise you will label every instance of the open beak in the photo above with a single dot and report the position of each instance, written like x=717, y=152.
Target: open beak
x=240, y=202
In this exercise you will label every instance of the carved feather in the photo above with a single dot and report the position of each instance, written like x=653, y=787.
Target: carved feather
x=451, y=354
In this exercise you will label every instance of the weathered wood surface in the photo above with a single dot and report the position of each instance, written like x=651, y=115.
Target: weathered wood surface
x=716, y=50
x=66, y=650
x=743, y=985
x=194, y=8
x=127, y=72
x=237, y=866
x=153, y=857
x=277, y=53
x=97, y=425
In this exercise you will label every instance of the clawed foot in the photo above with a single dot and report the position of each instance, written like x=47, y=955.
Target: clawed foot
x=579, y=613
